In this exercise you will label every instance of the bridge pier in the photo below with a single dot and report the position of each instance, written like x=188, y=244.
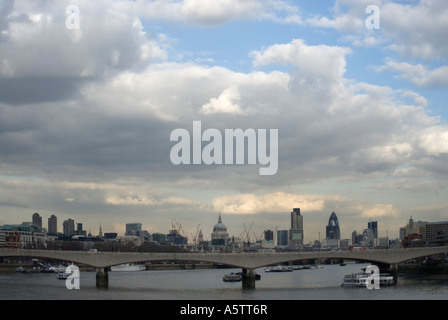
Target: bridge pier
x=389, y=268
x=102, y=277
x=394, y=272
x=248, y=279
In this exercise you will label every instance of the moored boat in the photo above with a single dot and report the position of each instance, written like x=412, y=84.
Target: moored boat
x=63, y=275
x=128, y=267
x=232, y=277
x=278, y=269
x=361, y=279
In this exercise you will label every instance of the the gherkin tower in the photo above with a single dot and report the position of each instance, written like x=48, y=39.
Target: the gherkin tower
x=333, y=231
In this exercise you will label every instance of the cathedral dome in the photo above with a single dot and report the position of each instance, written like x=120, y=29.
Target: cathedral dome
x=220, y=226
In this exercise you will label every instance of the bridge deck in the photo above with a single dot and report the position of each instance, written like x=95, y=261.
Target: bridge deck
x=243, y=260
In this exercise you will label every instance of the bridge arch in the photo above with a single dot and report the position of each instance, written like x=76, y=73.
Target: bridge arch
x=102, y=261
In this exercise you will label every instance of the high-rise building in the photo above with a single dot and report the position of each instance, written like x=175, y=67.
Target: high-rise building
x=296, y=231
x=53, y=224
x=69, y=227
x=133, y=229
x=268, y=235
x=37, y=220
x=282, y=238
x=373, y=225
x=332, y=231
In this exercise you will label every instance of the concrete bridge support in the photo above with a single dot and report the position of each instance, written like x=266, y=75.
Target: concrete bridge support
x=102, y=277
x=389, y=268
x=248, y=279
x=394, y=271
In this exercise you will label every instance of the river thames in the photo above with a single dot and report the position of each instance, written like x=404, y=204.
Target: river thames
x=206, y=284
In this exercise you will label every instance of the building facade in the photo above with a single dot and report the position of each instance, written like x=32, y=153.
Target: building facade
x=37, y=220
x=296, y=231
x=333, y=231
x=68, y=227
x=53, y=225
x=22, y=236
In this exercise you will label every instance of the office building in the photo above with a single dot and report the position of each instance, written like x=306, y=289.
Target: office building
x=373, y=225
x=282, y=238
x=133, y=229
x=37, y=220
x=296, y=231
x=333, y=231
x=53, y=225
x=68, y=227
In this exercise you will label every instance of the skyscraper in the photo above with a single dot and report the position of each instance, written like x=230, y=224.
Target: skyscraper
x=373, y=225
x=53, y=224
x=37, y=220
x=282, y=237
x=69, y=227
x=332, y=231
x=296, y=231
x=133, y=229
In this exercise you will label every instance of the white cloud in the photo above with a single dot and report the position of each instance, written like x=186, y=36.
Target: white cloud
x=321, y=61
x=381, y=211
x=434, y=140
x=278, y=202
x=229, y=101
x=214, y=12
x=414, y=29
x=168, y=91
x=418, y=74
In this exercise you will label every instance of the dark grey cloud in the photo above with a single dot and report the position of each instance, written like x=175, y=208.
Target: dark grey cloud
x=31, y=90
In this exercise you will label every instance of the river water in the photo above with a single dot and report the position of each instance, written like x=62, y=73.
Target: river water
x=204, y=284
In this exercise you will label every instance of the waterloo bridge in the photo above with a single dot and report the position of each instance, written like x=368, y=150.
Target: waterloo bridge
x=386, y=259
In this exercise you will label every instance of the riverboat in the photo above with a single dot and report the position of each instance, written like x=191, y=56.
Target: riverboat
x=63, y=275
x=128, y=267
x=278, y=269
x=361, y=279
x=232, y=277
x=237, y=276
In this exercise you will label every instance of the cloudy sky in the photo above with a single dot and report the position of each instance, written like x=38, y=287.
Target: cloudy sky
x=86, y=114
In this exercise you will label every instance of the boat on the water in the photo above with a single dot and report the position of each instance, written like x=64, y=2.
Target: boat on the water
x=232, y=277
x=279, y=269
x=63, y=275
x=237, y=276
x=361, y=279
x=57, y=269
x=128, y=267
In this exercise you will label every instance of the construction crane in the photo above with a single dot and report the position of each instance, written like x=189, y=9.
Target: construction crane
x=180, y=229
x=247, y=232
x=195, y=237
x=259, y=237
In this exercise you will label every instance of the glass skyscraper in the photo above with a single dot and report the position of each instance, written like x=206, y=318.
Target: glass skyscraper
x=332, y=231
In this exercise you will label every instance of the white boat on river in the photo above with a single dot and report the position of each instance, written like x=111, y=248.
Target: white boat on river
x=128, y=267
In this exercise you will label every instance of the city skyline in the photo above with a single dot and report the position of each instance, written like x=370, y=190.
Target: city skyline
x=89, y=99
x=77, y=228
